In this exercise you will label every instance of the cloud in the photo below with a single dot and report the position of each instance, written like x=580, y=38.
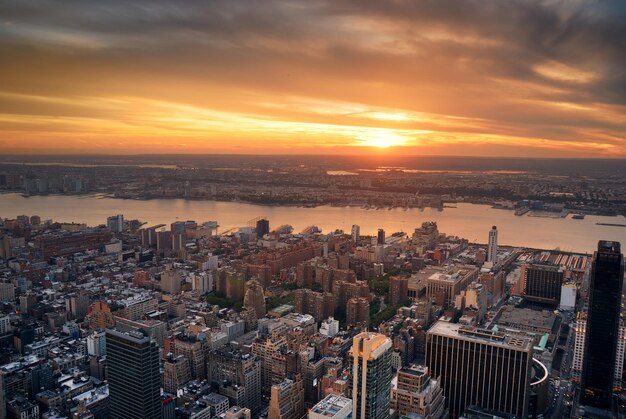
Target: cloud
x=547, y=75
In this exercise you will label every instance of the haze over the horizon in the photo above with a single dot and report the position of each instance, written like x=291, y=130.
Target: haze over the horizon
x=446, y=77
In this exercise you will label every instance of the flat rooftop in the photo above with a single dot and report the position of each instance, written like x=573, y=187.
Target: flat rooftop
x=527, y=319
x=330, y=405
x=459, y=331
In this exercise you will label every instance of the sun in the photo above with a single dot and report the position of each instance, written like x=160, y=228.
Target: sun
x=381, y=138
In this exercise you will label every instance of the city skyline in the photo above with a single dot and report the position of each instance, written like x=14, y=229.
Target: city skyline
x=529, y=78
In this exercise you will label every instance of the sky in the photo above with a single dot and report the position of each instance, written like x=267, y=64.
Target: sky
x=406, y=77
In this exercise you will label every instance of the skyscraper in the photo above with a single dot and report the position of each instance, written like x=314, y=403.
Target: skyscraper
x=480, y=367
x=371, y=376
x=134, y=380
x=381, y=236
x=492, y=250
x=356, y=233
x=603, y=317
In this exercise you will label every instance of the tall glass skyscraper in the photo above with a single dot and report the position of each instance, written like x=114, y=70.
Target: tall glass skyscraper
x=605, y=292
x=133, y=375
x=371, y=376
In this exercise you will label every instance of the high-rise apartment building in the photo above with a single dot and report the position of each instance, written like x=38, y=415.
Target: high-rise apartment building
x=380, y=237
x=603, y=319
x=356, y=234
x=492, y=249
x=115, y=223
x=414, y=391
x=480, y=367
x=398, y=289
x=318, y=304
x=358, y=312
x=371, y=376
x=133, y=375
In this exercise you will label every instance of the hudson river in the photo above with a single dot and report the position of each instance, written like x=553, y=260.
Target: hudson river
x=466, y=220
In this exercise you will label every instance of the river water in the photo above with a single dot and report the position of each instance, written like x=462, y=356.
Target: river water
x=466, y=220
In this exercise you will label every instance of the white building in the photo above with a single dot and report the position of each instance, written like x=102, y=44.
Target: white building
x=356, y=233
x=96, y=344
x=332, y=406
x=568, y=297
x=329, y=327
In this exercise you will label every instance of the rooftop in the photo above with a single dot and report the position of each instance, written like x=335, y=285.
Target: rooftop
x=330, y=405
x=491, y=337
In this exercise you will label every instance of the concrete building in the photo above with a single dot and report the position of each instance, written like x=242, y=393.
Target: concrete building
x=358, y=312
x=371, y=376
x=96, y=343
x=77, y=305
x=568, y=297
x=329, y=327
x=100, y=316
x=255, y=298
x=287, y=399
x=115, y=223
x=443, y=286
x=170, y=281
x=176, y=373
x=398, y=289
x=320, y=305
x=414, y=391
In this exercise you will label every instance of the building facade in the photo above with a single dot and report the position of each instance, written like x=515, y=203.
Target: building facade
x=480, y=367
x=133, y=375
x=371, y=375
x=602, y=329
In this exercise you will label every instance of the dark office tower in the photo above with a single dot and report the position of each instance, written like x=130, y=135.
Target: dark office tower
x=542, y=283
x=480, y=367
x=607, y=274
x=133, y=375
x=262, y=227
x=381, y=236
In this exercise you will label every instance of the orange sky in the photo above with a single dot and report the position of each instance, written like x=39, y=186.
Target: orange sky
x=448, y=77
